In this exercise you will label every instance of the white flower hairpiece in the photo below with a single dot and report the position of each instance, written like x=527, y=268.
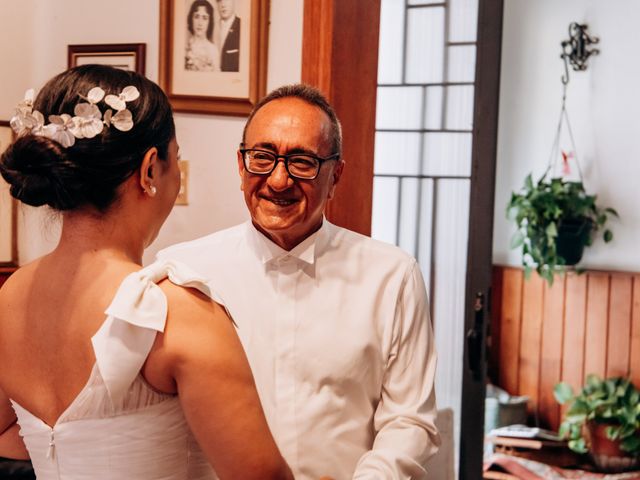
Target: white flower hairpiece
x=87, y=121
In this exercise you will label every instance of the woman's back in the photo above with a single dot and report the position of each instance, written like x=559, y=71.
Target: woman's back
x=116, y=424
x=50, y=310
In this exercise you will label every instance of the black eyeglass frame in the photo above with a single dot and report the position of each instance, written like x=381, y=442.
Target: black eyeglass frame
x=285, y=159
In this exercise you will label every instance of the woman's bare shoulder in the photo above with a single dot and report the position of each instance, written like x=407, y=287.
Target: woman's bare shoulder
x=194, y=321
x=19, y=281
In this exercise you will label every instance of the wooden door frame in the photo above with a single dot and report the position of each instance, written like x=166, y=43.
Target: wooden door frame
x=480, y=247
x=340, y=57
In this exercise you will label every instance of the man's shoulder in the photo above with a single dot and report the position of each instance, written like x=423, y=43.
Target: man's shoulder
x=211, y=243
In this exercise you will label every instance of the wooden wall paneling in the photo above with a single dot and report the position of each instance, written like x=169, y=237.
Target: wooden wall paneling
x=619, y=325
x=574, y=327
x=634, y=354
x=595, y=355
x=340, y=57
x=509, y=346
x=551, y=351
x=575, y=313
x=531, y=339
x=600, y=333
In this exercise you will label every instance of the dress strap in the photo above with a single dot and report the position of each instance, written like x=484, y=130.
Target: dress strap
x=136, y=314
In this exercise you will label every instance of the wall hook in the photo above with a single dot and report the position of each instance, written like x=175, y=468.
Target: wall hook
x=575, y=50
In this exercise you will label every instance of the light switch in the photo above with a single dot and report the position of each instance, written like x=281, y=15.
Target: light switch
x=183, y=197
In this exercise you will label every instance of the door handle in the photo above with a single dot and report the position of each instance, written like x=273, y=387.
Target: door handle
x=474, y=338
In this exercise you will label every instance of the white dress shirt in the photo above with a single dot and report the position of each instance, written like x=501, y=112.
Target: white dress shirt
x=338, y=336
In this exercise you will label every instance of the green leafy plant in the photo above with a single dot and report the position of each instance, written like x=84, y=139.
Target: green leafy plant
x=544, y=209
x=614, y=401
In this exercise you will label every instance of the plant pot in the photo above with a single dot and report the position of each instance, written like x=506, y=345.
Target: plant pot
x=606, y=453
x=572, y=237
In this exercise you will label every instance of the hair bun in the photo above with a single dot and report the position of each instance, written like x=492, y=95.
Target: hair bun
x=35, y=167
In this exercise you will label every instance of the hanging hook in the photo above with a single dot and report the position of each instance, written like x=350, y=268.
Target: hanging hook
x=565, y=77
x=575, y=50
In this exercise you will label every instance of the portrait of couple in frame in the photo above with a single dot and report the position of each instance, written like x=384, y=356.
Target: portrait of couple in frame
x=213, y=54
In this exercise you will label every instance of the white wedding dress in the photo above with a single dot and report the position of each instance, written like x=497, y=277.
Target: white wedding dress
x=119, y=427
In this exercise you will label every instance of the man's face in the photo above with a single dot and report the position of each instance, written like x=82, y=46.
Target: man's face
x=286, y=209
x=226, y=9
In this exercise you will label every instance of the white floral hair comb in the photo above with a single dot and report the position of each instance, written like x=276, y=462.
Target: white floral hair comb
x=87, y=122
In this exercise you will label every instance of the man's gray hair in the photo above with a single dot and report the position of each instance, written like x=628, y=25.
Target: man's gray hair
x=310, y=95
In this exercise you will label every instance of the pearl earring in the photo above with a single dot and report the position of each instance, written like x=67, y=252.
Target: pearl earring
x=152, y=191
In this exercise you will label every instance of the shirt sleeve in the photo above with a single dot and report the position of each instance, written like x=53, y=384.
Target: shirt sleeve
x=406, y=435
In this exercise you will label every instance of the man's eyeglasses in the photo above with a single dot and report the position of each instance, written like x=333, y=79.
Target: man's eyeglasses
x=299, y=165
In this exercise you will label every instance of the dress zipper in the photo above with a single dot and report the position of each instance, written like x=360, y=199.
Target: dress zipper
x=52, y=447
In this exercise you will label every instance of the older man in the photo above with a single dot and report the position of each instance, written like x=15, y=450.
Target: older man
x=335, y=324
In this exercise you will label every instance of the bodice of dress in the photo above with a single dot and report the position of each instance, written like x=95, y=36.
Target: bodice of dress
x=119, y=426
x=202, y=55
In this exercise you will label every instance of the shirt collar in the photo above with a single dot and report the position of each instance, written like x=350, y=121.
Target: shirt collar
x=228, y=22
x=307, y=250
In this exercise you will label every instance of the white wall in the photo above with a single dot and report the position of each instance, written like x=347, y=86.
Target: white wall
x=603, y=104
x=34, y=35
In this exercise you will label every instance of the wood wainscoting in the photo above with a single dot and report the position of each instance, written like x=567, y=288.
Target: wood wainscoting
x=540, y=335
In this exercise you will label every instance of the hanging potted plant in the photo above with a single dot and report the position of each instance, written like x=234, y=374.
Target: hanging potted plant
x=555, y=220
x=603, y=419
x=555, y=217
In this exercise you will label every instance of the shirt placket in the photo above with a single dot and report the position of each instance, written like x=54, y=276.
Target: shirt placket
x=285, y=386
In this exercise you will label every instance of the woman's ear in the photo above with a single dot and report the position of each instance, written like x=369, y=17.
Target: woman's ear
x=149, y=171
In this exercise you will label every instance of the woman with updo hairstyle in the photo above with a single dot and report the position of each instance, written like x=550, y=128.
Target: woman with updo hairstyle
x=111, y=370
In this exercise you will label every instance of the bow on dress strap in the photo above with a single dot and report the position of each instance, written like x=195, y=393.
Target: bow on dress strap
x=137, y=312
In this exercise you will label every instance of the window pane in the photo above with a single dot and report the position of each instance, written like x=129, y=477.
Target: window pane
x=447, y=154
x=450, y=269
x=433, y=108
x=385, y=209
x=426, y=228
x=399, y=108
x=408, y=214
x=463, y=20
x=397, y=153
x=460, y=107
x=425, y=45
x=462, y=63
x=390, y=54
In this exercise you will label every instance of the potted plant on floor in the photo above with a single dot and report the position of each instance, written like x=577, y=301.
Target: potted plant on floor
x=603, y=419
x=555, y=220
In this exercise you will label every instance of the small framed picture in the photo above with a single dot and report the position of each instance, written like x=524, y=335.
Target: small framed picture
x=8, y=210
x=213, y=54
x=126, y=56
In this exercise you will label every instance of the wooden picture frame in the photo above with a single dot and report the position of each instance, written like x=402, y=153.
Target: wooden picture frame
x=127, y=56
x=8, y=209
x=193, y=77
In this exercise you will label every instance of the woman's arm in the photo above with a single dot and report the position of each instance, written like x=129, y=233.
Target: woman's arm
x=201, y=352
x=11, y=444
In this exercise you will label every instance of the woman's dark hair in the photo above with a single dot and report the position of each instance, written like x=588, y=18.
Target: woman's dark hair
x=42, y=172
x=194, y=6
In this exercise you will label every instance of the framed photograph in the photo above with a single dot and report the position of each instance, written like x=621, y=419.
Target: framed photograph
x=213, y=54
x=127, y=56
x=8, y=210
